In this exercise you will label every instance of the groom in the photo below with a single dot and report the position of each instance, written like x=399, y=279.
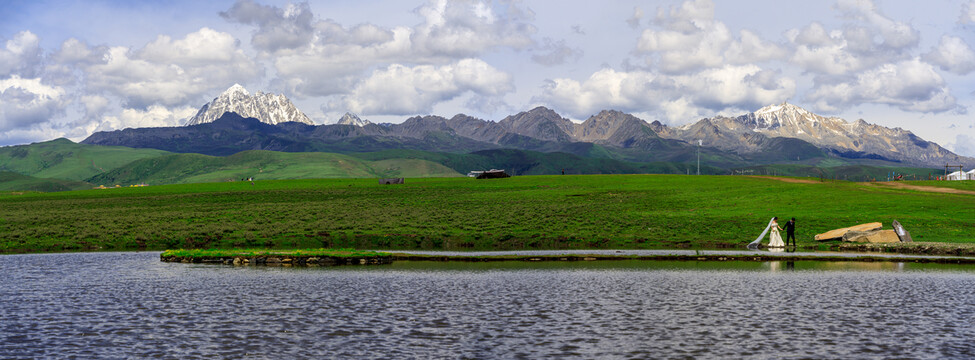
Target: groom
x=790, y=232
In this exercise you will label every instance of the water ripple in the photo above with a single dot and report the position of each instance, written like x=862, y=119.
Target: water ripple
x=130, y=305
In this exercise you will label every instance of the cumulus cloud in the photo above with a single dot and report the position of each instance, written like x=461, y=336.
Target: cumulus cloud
x=696, y=66
x=867, y=39
x=277, y=28
x=681, y=96
x=314, y=57
x=910, y=85
x=466, y=28
x=170, y=71
x=20, y=55
x=892, y=34
x=953, y=55
x=403, y=90
x=26, y=103
x=688, y=39
x=153, y=116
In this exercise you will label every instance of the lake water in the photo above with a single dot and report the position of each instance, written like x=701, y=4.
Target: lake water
x=131, y=305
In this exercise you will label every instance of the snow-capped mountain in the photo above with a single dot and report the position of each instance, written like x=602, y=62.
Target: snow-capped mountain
x=352, y=119
x=747, y=133
x=268, y=108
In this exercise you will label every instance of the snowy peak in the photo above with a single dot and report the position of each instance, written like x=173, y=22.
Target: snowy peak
x=268, y=108
x=236, y=89
x=781, y=115
x=352, y=119
x=782, y=109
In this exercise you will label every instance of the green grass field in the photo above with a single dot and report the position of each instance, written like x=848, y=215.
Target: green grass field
x=10, y=181
x=525, y=212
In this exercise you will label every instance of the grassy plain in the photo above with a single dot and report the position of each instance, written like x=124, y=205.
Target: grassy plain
x=525, y=212
x=11, y=181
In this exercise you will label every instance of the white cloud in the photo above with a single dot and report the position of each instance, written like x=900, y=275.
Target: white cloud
x=26, y=103
x=730, y=86
x=314, y=57
x=277, y=29
x=690, y=40
x=153, y=116
x=893, y=35
x=95, y=105
x=606, y=88
x=952, y=54
x=20, y=55
x=868, y=39
x=171, y=72
x=403, y=90
x=909, y=85
x=468, y=27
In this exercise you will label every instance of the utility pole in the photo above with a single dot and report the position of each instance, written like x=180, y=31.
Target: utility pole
x=699, y=157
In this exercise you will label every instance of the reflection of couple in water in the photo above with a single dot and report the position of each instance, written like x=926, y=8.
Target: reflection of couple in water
x=775, y=240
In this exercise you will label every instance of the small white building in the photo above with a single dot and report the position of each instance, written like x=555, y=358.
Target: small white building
x=961, y=175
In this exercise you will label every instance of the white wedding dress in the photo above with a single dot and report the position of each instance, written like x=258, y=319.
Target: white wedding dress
x=775, y=240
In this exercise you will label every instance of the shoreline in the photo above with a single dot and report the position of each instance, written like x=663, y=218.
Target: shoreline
x=285, y=258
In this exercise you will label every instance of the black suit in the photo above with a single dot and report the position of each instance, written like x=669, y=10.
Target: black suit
x=790, y=232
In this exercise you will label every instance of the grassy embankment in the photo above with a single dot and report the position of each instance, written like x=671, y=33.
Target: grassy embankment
x=529, y=212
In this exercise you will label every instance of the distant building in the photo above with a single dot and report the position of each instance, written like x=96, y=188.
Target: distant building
x=488, y=174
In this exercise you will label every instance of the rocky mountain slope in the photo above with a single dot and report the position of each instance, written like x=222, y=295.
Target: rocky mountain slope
x=269, y=108
x=747, y=133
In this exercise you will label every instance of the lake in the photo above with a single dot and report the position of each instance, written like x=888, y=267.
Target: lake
x=131, y=305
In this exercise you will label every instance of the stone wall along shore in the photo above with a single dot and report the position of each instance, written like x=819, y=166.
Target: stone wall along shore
x=282, y=260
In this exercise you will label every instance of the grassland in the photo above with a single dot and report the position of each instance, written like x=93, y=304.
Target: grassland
x=11, y=181
x=526, y=212
x=264, y=165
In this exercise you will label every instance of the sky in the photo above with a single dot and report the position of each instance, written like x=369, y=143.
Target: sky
x=71, y=68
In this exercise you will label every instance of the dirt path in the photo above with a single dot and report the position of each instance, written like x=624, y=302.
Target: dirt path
x=933, y=189
x=893, y=184
x=788, y=180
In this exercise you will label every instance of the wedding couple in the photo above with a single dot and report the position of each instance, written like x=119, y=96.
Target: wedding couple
x=775, y=240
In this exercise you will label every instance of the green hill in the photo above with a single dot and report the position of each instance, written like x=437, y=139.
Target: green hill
x=63, y=159
x=264, y=165
x=11, y=181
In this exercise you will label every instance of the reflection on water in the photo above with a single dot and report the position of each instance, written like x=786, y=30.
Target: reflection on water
x=132, y=305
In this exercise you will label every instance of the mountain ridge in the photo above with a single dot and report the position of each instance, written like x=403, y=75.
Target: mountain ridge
x=730, y=141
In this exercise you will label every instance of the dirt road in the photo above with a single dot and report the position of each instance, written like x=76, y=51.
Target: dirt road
x=893, y=184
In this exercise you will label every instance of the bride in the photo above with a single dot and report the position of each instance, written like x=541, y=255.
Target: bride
x=775, y=240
